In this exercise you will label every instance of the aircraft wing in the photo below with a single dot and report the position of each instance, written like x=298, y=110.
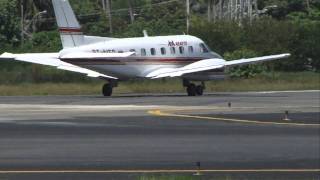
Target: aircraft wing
x=256, y=60
x=51, y=59
x=209, y=64
x=202, y=65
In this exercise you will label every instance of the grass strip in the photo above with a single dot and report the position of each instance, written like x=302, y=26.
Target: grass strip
x=264, y=82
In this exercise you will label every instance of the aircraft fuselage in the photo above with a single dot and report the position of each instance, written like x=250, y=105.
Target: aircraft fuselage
x=151, y=53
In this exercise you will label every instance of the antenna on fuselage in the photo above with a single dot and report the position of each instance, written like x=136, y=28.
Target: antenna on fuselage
x=145, y=33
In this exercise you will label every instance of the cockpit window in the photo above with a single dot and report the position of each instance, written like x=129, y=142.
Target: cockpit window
x=203, y=48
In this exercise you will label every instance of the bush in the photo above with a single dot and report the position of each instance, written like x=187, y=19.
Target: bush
x=46, y=41
x=245, y=71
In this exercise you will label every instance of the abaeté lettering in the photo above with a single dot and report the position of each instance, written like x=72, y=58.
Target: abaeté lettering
x=177, y=43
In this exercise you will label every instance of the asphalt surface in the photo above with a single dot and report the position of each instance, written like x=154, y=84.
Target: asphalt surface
x=160, y=132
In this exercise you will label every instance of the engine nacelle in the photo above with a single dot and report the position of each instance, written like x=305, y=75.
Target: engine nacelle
x=217, y=74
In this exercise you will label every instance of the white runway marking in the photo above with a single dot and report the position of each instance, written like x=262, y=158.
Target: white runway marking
x=290, y=91
x=156, y=171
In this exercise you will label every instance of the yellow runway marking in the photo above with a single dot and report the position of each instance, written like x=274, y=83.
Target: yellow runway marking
x=157, y=171
x=160, y=113
x=204, y=108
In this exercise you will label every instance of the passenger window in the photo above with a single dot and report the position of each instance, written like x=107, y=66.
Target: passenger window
x=143, y=52
x=173, y=50
x=120, y=51
x=203, y=48
x=181, y=49
x=190, y=49
x=153, y=51
x=163, y=51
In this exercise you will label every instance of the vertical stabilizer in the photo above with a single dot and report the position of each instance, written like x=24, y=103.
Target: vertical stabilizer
x=69, y=28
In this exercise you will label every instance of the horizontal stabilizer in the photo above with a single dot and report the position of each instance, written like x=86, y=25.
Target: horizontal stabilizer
x=90, y=73
x=52, y=59
x=82, y=55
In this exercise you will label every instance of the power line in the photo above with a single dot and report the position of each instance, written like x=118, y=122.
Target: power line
x=114, y=12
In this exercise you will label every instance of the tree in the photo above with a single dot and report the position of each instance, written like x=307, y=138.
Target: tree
x=9, y=22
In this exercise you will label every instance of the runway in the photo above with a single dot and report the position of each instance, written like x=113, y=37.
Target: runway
x=44, y=136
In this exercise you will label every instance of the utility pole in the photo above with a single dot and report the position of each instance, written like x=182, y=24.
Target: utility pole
x=22, y=23
x=214, y=10
x=209, y=9
x=308, y=5
x=188, y=15
x=221, y=9
x=103, y=2
x=108, y=9
x=256, y=6
x=131, y=11
x=237, y=10
x=250, y=10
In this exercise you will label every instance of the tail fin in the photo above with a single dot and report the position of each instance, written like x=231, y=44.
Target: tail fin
x=69, y=27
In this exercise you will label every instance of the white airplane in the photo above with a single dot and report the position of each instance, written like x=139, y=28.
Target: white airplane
x=115, y=59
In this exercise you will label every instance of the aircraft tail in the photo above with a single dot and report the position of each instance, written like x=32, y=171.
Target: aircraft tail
x=69, y=27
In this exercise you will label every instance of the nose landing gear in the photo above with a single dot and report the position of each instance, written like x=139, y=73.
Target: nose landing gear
x=192, y=89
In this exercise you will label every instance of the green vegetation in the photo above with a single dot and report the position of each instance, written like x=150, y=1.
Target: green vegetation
x=292, y=27
x=261, y=82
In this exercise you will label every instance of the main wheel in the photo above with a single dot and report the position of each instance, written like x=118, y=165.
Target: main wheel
x=199, y=90
x=107, y=90
x=191, y=90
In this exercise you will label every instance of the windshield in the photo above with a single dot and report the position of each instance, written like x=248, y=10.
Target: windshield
x=203, y=48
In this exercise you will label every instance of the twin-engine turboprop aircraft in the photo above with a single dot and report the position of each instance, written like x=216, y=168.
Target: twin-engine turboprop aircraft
x=115, y=59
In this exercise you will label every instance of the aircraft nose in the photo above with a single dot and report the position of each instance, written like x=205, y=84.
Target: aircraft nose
x=216, y=55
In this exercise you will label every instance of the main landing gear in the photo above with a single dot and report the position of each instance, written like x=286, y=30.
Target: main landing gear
x=108, y=87
x=192, y=89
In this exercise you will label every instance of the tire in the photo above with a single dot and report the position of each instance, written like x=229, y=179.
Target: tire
x=199, y=90
x=107, y=90
x=191, y=90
